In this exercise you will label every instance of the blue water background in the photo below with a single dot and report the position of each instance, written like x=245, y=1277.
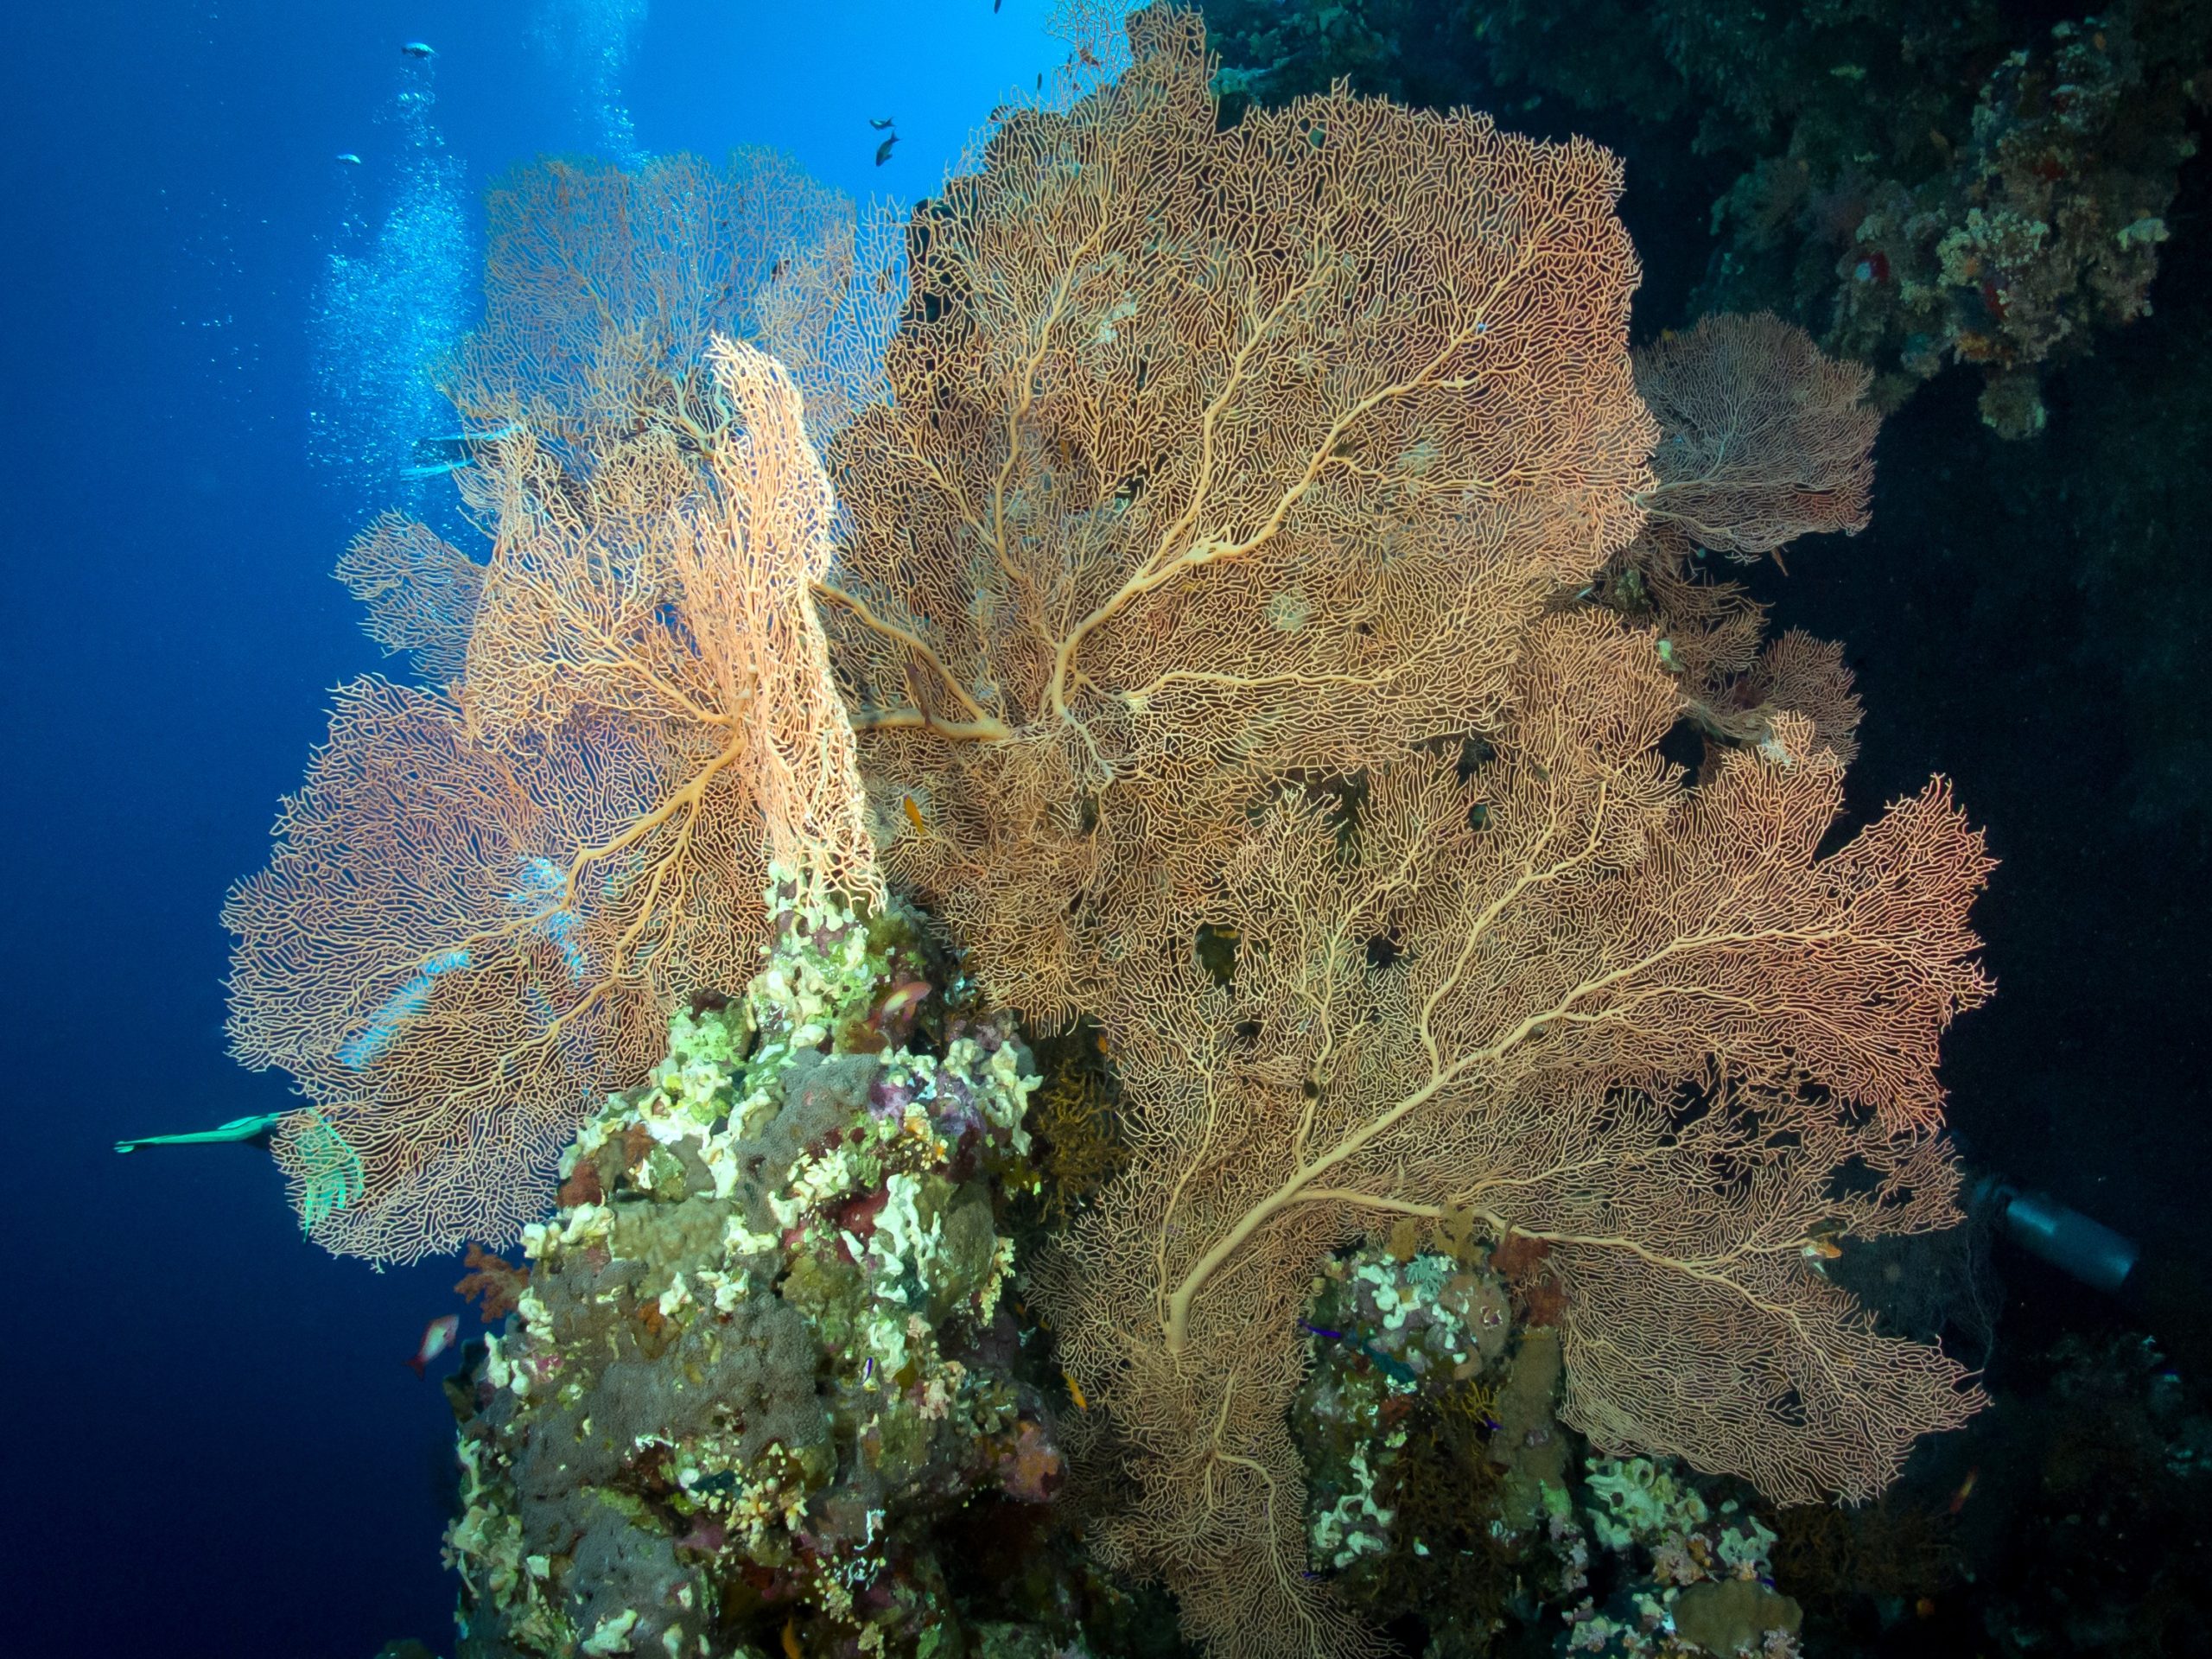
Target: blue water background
x=214, y=1447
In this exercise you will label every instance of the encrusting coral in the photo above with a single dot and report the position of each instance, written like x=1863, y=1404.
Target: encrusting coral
x=1697, y=1573
x=764, y=1350
x=1379, y=1329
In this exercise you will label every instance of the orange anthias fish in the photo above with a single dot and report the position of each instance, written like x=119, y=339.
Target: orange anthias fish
x=906, y=996
x=438, y=1335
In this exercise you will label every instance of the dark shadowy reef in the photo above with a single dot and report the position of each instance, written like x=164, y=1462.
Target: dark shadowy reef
x=1920, y=183
x=1776, y=156
x=619, y=1498
x=2003, y=210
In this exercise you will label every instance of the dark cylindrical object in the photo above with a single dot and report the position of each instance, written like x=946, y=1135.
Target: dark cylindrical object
x=2066, y=1238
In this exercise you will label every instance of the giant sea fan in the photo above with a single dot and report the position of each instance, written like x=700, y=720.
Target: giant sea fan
x=1227, y=474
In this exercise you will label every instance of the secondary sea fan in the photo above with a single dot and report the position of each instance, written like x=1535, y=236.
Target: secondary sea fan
x=489, y=893
x=485, y=900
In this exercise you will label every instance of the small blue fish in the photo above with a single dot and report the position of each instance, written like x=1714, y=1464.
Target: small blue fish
x=440, y=453
x=1396, y=1370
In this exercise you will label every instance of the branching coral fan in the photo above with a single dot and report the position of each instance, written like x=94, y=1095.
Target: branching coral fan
x=604, y=289
x=490, y=891
x=1223, y=456
x=1762, y=441
x=1208, y=576
x=485, y=900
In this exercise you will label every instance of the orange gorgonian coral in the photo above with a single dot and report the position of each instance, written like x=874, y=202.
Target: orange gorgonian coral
x=1213, y=570
x=604, y=287
x=488, y=893
x=1211, y=456
x=1641, y=1024
x=485, y=900
x=1208, y=576
x=1763, y=440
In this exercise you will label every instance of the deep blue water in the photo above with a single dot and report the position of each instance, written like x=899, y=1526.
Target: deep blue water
x=213, y=1447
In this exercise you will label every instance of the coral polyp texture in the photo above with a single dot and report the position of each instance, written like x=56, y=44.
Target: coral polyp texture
x=765, y=1350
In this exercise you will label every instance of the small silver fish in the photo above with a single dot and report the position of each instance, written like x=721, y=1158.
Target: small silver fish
x=436, y=443
x=880, y=125
x=418, y=49
x=348, y=157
